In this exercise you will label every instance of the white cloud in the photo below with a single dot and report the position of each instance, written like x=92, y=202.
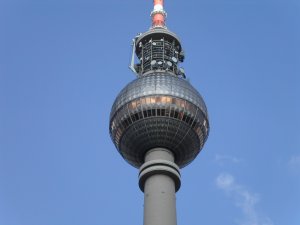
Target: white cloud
x=225, y=181
x=243, y=199
x=222, y=159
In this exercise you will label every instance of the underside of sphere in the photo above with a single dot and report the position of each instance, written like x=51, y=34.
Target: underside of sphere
x=159, y=110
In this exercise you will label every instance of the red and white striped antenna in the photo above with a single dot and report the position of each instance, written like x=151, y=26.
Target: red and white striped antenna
x=158, y=14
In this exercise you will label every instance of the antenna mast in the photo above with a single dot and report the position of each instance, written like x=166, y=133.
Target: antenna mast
x=158, y=14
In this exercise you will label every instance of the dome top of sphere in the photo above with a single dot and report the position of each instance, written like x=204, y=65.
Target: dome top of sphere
x=159, y=84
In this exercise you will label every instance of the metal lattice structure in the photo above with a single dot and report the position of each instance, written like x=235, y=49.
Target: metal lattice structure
x=158, y=50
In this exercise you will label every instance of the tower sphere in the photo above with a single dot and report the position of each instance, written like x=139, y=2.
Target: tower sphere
x=159, y=109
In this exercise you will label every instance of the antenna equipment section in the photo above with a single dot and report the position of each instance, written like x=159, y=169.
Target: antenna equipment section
x=157, y=50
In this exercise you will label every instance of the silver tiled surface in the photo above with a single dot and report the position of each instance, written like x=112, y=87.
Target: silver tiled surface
x=159, y=110
x=159, y=84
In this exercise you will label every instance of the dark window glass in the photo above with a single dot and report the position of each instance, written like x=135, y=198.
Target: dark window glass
x=176, y=114
x=145, y=114
x=124, y=123
x=153, y=112
x=163, y=112
x=119, y=122
x=133, y=118
x=136, y=116
x=189, y=120
x=172, y=113
x=128, y=121
x=140, y=115
x=158, y=112
x=167, y=112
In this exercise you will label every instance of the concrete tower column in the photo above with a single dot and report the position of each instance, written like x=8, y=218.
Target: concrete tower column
x=159, y=179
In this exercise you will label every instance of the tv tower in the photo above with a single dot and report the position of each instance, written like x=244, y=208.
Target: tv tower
x=159, y=121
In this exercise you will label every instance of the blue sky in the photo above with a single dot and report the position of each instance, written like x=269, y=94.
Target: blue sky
x=62, y=63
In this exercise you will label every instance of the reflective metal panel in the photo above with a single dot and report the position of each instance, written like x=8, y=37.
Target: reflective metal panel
x=159, y=110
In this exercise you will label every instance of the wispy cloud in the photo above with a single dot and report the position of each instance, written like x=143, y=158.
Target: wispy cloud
x=224, y=159
x=243, y=199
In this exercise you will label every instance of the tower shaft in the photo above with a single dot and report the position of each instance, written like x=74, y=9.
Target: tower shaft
x=159, y=179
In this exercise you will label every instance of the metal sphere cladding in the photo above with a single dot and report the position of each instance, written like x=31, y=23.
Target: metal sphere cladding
x=159, y=110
